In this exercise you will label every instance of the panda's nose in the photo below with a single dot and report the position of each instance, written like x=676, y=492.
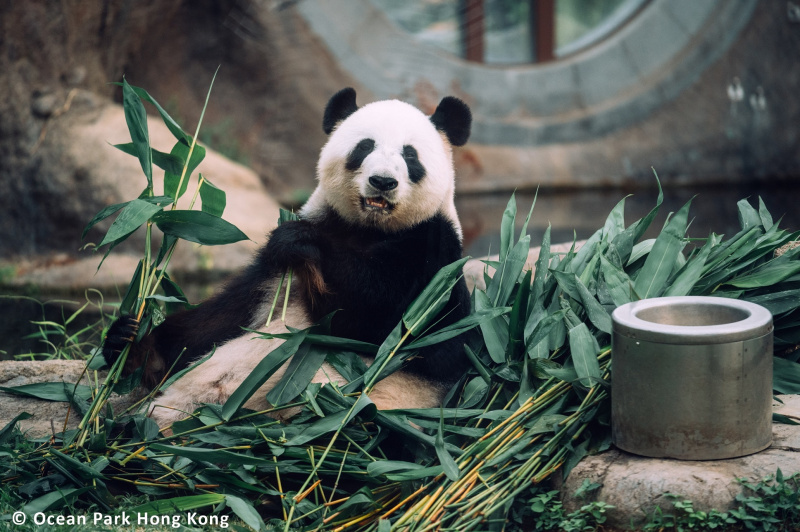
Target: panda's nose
x=383, y=183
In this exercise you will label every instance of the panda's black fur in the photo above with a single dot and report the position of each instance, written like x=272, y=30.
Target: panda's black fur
x=368, y=273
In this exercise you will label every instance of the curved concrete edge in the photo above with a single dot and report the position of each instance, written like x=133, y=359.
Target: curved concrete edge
x=636, y=486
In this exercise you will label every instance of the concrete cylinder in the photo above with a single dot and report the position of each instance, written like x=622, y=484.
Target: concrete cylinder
x=692, y=378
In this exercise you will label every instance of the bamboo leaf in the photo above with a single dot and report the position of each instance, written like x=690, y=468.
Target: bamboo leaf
x=427, y=305
x=50, y=391
x=53, y=500
x=334, y=422
x=691, y=272
x=778, y=302
x=660, y=261
x=213, y=199
x=619, y=285
x=171, y=180
x=764, y=215
x=495, y=331
x=298, y=375
x=133, y=216
x=584, y=351
x=9, y=428
x=622, y=245
x=136, y=118
x=448, y=464
x=748, y=216
x=165, y=161
x=199, y=227
x=200, y=454
x=768, y=275
x=463, y=325
x=245, y=511
x=785, y=376
x=102, y=215
x=504, y=280
x=179, y=504
x=263, y=371
x=615, y=222
x=517, y=321
x=542, y=263
x=507, y=226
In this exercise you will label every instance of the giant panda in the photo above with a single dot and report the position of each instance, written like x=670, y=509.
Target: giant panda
x=380, y=223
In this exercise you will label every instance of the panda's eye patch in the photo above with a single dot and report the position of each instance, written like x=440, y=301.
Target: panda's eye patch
x=415, y=169
x=359, y=153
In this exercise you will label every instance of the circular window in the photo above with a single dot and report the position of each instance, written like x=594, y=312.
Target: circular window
x=509, y=32
x=534, y=72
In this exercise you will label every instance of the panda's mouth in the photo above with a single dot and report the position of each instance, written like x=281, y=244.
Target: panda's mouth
x=376, y=203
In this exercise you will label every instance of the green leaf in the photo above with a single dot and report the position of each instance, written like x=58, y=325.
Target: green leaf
x=449, y=465
x=214, y=456
x=135, y=213
x=621, y=246
x=620, y=286
x=770, y=274
x=427, y=305
x=785, y=376
x=335, y=422
x=778, y=302
x=245, y=511
x=615, y=222
x=179, y=504
x=461, y=326
x=136, y=118
x=542, y=263
x=748, y=216
x=658, y=266
x=50, y=391
x=495, y=331
x=171, y=124
x=76, y=466
x=517, y=319
x=691, y=272
x=298, y=375
x=263, y=371
x=9, y=428
x=584, y=350
x=594, y=310
x=507, y=226
x=171, y=180
x=213, y=198
x=764, y=215
x=102, y=215
x=504, y=280
x=199, y=227
x=53, y=500
x=165, y=161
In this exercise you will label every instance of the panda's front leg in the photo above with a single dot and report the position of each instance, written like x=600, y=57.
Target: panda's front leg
x=298, y=245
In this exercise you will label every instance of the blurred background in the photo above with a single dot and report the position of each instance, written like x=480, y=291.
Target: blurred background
x=583, y=99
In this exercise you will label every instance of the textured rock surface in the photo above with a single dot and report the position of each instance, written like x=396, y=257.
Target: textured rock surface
x=635, y=485
x=48, y=416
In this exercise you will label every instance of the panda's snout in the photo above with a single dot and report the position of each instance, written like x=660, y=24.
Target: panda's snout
x=384, y=184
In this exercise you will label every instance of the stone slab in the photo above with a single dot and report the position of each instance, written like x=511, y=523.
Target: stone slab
x=636, y=485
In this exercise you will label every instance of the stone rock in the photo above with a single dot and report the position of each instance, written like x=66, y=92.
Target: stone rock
x=636, y=485
x=48, y=416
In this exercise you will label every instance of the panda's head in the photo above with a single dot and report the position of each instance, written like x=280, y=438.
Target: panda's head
x=387, y=165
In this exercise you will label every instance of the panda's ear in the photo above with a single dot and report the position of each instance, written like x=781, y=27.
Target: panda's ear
x=340, y=106
x=454, y=119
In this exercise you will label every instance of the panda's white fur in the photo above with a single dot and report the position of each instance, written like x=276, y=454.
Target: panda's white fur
x=391, y=124
x=219, y=376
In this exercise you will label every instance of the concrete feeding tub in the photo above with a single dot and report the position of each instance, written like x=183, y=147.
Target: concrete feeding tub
x=692, y=378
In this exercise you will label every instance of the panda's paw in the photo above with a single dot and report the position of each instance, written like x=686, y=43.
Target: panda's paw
x=295, y=244
x=121, y=333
